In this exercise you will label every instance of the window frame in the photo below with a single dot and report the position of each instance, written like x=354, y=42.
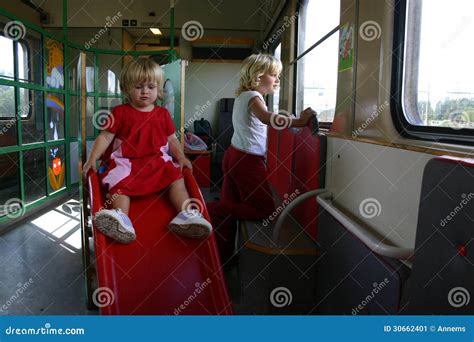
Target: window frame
x=404, y=127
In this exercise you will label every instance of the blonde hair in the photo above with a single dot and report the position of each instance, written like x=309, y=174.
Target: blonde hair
x=141, y=70
x=253, y=67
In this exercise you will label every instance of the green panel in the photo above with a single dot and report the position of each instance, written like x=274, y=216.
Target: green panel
x=172, y=92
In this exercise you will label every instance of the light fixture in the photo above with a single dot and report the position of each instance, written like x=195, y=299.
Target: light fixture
x=155, y=30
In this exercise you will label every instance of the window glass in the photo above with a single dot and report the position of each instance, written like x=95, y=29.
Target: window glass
x=56, y=168
x=6, y=57
x=10, y=180
x=276, y=95
x=31, y=110
x=317, y=69
x=438, y=87
x=35, y=180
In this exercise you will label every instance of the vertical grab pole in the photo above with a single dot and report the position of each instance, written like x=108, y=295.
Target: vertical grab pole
x=83, y=190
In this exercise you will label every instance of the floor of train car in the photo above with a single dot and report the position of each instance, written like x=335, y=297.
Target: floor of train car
x=41, y=263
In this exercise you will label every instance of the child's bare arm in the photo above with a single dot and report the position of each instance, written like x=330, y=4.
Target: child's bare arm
x=177, y=152
x=258, y=108
x=100, y=145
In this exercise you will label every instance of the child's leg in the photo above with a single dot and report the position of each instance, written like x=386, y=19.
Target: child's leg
x=178, y=194
x=121, y=202
x=115, y=222
x=189, y=222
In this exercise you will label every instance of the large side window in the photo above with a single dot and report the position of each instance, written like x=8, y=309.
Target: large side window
x=276, y=95
x=435, y=80
x=317, y=57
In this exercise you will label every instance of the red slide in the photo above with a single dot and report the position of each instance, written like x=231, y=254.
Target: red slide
x=160, y=273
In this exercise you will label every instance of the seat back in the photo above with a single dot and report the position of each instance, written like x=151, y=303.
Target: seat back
x=442, y=278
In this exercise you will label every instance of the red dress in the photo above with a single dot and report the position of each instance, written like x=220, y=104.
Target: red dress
x=137, y=161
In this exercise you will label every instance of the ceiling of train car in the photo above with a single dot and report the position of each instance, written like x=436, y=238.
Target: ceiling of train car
x=228, y=15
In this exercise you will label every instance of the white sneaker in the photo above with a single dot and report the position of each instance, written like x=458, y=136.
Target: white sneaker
x=115, y=224
x=190, y=223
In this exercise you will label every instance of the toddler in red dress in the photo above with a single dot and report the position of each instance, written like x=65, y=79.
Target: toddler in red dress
x=136, y=145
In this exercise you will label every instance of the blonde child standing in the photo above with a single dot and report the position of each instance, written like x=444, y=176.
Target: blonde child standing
x=137, y=149
x=245, y=193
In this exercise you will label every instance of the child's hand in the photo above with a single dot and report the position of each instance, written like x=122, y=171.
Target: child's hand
x=306, y=115
x=90, y=164
x=185, y=163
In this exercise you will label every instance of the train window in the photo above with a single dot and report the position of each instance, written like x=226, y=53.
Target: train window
x=437, y=92
x=276, y=95
x=317, y=65
x=8, y=131
x=6, y=59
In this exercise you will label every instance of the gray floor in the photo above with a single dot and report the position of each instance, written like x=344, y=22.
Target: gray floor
x=41, y=265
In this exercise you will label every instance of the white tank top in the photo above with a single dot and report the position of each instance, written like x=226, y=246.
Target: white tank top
x=250, y=134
